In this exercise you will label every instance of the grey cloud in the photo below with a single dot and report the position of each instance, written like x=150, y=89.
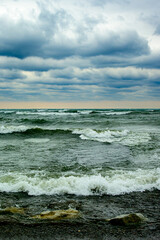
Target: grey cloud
x=81, y=82
x=48, y=37
x=42, y=64
x=10, y=74
x=117, y=77
x=23, y=38
x=104, y=2
x=157, y=31
x=152, y=61
x=58, y=57
x=120, y=44
x=51, y=22
x=19, y=39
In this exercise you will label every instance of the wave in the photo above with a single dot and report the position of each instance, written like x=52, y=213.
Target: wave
x=86, y=112
x=27, y=130
x=35, y=121
x=47, y=113
x=7, y=111
x=77, y=112
x=117, y=113
x=124, y=137
x=59, y=113
x=65, y=112
x=12, y=129
x=115, y=182
x=128, y=111
x=100, y=135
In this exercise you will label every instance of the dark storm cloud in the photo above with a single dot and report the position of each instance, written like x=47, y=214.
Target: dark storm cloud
x=66, y=51
x=19, y=39
x=48, y=37
x=125, y=44
x=152, y=61
x=23, y=38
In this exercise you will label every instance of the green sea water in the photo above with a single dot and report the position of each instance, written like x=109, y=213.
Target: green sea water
x=81, y=152
x=59, y=157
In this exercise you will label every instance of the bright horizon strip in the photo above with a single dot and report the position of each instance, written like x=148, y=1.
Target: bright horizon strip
x=82, y=105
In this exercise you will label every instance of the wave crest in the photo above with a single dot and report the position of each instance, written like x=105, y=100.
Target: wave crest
x=113, y=183
x=124, y=137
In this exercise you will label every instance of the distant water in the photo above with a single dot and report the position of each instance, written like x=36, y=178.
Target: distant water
x=79, y=152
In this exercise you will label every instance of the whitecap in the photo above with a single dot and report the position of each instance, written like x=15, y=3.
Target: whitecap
x=6, y=111
x=85, y=112
x=41, y=113
x=10, y=129
x=100, y=136
x=124, y=137
x=114, y=182
x=117, y=113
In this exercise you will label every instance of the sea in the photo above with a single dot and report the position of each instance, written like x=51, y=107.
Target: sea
x=85, y=159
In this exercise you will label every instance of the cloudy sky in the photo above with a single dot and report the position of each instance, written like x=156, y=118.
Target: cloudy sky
x=86, y=50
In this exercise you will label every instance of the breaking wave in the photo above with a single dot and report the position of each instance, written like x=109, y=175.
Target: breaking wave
x=114, y=182
x=30, y=130
x=118, y=113
x=41, y=113
x=124, y=137
x=109, y=136
x=4, y=129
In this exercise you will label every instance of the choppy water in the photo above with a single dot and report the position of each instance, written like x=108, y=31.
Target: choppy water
x=79, y=152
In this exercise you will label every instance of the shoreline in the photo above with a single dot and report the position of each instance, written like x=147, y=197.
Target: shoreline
x=92, y=224
x=79, y=230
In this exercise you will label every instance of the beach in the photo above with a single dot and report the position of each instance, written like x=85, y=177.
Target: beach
x=98, y=163
x=91, y=224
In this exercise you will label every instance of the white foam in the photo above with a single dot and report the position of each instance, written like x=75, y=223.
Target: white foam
x=113, y=183
x=47, y=113
x=10, y=129
x=123, y=136
x=35, y=113
x=101, y=136
x=136, y=138
x=4, y=129
x=63, y=110
x=85, y=112
x=116, y=113
x=37, y=140
x=6, y=112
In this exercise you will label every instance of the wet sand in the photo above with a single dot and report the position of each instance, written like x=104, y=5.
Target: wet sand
x=92, y=224
x=79, y=230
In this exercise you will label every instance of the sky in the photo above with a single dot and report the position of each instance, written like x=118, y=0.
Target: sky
x=79, y=51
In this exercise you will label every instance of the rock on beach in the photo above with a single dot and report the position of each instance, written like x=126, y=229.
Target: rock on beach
x=12, y=210
x=127, y=219
x=58, y=214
